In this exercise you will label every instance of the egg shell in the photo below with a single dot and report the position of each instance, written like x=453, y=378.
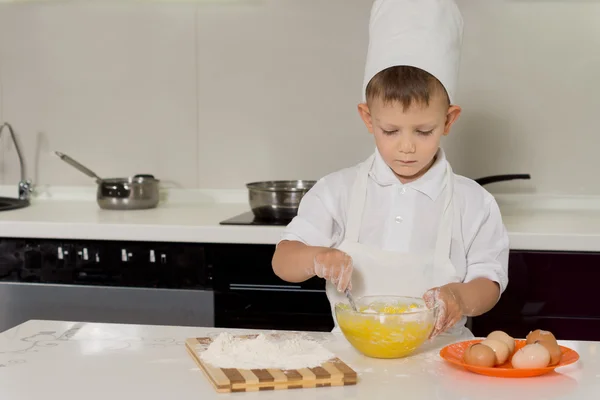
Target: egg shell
x=479, y=355
x=504, y=337
x=501, y=349
x=531, y=356
x=554, y=350
x=539, y=335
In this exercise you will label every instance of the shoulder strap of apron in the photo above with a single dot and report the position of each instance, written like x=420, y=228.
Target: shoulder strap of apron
x=357, y=200
x=444, y=237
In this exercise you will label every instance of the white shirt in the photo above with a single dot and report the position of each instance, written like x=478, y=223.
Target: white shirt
x=405, y=217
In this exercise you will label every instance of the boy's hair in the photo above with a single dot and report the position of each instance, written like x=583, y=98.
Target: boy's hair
x=405, y=85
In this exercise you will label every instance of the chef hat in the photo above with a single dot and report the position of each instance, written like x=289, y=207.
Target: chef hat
x=426, y=34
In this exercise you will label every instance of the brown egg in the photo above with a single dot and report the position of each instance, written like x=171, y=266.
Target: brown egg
x=500, y=348
x=539, y=335
x=479, y=355
x=504, y=337
x=553, y=349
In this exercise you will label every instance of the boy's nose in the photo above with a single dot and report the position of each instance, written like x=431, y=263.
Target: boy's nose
x=407, y=146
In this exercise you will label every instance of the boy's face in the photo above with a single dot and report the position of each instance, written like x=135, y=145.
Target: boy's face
x=408, y=140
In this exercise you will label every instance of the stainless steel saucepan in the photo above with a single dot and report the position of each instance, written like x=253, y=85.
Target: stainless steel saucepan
x=277, y=200
x=133, y=193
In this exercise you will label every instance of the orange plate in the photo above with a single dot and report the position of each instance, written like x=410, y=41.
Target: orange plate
x=454, y=354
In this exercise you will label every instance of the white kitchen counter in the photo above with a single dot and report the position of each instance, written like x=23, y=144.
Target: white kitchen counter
x=73, y=361
x=533, y=222
x=187, y=216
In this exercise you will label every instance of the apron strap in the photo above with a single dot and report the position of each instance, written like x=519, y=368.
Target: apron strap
x=358, y=198
x=444, y=237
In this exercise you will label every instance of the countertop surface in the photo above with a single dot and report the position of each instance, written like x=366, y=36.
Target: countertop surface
x=187, y=216
x=75, y=360
x=534, y=222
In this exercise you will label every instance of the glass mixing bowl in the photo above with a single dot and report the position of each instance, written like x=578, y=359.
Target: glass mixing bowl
x=386, y=326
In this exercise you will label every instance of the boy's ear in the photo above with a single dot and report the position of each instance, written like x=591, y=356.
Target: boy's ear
x=451, y=117
x=365, y=114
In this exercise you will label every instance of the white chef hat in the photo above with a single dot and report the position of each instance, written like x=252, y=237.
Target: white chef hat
x=426, y=34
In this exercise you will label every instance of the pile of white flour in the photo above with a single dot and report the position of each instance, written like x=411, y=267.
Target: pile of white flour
x=262, y=352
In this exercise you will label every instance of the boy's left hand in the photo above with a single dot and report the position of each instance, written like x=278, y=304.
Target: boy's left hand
x=450, y=307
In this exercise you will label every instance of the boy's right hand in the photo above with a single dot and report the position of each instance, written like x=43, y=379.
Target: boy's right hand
x=335, y=266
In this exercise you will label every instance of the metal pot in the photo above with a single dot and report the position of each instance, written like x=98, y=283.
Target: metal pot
x=133, y=193
x=277, y=200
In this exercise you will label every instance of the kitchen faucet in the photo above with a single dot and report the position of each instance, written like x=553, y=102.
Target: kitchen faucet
x=25, y=187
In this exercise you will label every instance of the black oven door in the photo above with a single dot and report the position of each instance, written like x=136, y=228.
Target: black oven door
x=272, y=307
x=248, y=294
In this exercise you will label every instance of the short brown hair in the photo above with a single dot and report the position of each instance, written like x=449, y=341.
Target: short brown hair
x=405, y=85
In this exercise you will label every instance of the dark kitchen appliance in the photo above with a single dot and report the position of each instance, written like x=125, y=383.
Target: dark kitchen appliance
x=184, y=284
x=105, y=281
x=249, y=295
x=249, y=218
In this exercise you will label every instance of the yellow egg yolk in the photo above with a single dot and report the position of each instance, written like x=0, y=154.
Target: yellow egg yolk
x=387, y=335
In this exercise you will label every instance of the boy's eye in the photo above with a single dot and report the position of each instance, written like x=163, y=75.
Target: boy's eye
x=425, y=133
x=388, y=132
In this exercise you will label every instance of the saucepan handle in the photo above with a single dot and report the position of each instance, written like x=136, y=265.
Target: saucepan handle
x=78, y=166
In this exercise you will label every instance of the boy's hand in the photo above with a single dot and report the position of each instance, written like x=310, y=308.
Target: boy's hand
x=450, y=307
x=335, y=266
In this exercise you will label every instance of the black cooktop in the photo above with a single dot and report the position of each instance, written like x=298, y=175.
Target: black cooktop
x=248, y=218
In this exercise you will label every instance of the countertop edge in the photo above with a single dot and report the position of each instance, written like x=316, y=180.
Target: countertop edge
x=534, y=222
x=260, y=235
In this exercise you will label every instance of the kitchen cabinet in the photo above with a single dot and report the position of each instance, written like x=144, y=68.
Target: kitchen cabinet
x=105, y=281
x=555, y=291
x=547, y=290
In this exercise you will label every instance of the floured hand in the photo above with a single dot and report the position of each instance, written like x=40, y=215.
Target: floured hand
x=449, y=307
x=335, y=266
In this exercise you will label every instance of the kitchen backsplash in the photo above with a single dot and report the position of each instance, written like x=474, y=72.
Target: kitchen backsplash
x=216, y=95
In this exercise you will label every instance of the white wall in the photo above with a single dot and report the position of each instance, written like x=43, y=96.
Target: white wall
x=214, y=96
x=530, y=81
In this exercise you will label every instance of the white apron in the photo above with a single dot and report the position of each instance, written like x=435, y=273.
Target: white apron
x=381, y=272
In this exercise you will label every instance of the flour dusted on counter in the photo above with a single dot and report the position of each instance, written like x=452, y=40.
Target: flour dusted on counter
x=262, y=352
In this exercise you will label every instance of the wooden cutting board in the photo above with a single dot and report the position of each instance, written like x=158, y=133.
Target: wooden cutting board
x=226, y=380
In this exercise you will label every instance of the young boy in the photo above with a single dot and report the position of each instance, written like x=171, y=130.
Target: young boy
x=401, y=222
